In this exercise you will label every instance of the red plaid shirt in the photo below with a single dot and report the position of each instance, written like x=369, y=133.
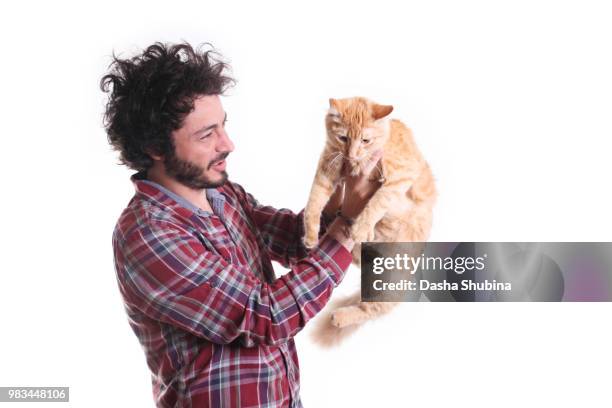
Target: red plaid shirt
x=200, y=292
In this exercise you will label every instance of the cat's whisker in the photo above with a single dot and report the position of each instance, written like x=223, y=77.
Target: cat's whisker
x=329, y=163
x=381, y=177
x=333, y=160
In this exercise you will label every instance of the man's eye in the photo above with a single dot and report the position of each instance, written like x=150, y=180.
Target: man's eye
x=205, y=136
x=343, y=138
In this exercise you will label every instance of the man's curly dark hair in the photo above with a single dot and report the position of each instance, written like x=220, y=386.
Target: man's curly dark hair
x=151, y=93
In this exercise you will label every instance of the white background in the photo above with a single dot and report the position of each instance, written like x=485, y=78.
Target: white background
x=509, y=101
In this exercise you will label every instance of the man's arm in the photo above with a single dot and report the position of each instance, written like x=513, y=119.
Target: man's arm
x=281, y=229
x=168, y=275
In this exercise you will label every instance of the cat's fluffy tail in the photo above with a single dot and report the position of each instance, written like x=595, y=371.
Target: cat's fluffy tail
x=324, y=333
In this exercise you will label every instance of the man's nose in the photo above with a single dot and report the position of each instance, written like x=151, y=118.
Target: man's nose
x=225, y=144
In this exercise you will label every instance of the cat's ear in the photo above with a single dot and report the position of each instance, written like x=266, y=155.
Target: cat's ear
x=333, y=107
x=380, y=111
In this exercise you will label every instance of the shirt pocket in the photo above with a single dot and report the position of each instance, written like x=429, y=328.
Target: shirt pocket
x=216, y=239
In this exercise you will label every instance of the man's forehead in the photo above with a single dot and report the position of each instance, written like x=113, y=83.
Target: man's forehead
x=207, y=105
x=207, y=110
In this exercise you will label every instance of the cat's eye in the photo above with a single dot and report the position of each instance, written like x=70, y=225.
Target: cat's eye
x=343, y=138
x=365, y=140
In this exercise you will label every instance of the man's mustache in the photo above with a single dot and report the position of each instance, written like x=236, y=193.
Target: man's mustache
x=222, y=156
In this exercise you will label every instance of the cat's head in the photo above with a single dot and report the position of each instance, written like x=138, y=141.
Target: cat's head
x=357, y=127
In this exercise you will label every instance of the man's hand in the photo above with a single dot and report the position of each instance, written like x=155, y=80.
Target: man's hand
x=359, y=189
x=352, y=197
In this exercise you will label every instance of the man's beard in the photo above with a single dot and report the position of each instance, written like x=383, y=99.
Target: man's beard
x=190, y=174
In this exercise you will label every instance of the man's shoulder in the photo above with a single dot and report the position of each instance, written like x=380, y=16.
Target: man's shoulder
x=141, y=213
x=233, y=190
x=236, y=195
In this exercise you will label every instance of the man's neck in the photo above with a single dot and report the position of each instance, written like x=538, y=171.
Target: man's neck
x=195, y=197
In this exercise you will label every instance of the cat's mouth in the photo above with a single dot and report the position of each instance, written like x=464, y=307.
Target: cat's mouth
x=354, y=166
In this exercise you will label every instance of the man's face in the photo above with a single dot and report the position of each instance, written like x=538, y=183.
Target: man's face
x=201, y=146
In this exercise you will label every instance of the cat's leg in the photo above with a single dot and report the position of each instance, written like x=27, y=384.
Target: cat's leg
x=320, y=193
x=327, y=334
x=360, y=313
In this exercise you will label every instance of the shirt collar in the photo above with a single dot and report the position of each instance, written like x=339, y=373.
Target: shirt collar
x=215, y=198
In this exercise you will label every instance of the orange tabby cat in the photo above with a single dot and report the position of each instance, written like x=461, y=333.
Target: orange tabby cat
x=400, y=211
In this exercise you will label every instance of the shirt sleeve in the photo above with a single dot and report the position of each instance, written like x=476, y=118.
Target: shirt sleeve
x=167, y=274
x=281, y=229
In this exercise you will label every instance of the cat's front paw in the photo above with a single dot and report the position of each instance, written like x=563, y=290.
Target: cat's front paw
x=310, y=241
x=345, y=316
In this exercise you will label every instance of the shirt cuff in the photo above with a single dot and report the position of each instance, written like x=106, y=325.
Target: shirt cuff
x=334, y=255
x=326, y=220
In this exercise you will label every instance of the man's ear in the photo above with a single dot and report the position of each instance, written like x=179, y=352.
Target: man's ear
x=153, y=155
x=380, y=111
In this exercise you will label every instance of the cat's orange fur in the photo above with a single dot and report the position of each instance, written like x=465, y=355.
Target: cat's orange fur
x=399, y=211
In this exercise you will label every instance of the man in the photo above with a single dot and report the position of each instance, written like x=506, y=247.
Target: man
x=193, y=250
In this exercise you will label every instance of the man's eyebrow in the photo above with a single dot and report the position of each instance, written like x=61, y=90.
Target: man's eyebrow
x=204, y=129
